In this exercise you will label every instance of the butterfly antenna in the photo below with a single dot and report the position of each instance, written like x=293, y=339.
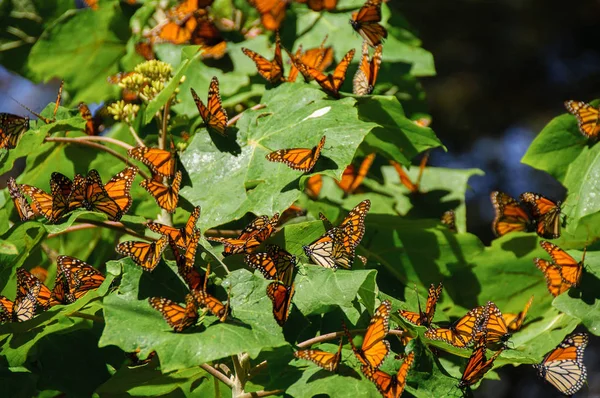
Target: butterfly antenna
x=58, y=98
x=206, y=276
x=45, y=120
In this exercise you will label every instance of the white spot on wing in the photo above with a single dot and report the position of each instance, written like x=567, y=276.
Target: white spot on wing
x=318, y=113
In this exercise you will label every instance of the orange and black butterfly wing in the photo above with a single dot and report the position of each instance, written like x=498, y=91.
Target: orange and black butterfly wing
x=554, y=281
x=6, y=309
x=281, y=297
x=25, y=305
x=366, y=74
x=41, y=202
x=166, y=197
x=588, y=118
x=178, y=317
x=546, y=213
x=303, y=159
x=494, y=325
x=272, y=71
x=514, y=322
x=366, y=22
x=12, y=127
x=563, y=367
x=449, y=220
x=354, y=223
x=96, y=197
x=21, y=205
x=213, y=113
x=478, y=365
x=214, y=305
x=80, y=277
x=432, y=298
x=510, y=215
x=161, y=162
x=119, y=186
x=570, y=269
x=26, y=281
x=374, y=348
x=146, y=255
x=327, y=360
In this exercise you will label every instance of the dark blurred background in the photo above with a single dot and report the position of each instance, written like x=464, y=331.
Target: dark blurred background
x=504, y=69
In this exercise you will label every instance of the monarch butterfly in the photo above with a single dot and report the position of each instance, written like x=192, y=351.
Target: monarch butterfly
x=52, y=206
x=272, y=71
x=493, y=324
x=331, y=250
x=327, y=360
x=185, y=263
x=144, y=48
x=319, y=5
x=209, y=37
x=161, y=162
x=318, y=58
x=93, y=4
x=75, y=278
x=405, y=179
x=563, y=367
x=179, y=24
x=214, y=115
x=366, y=22
x=26, y=281
x=23, y=308
x=424, y=318
x=545, y=212
x=272, y=12
x=588, y=118
x=275, y=264
x=563, y=272
x=96, y=197
x=330, y=83
x=351, y=179
x=146, y=255
x=461, y=333
x=166, y=197
x=179, y=236
x=215, y=306
x=281, y=296
x=515, y=321
x=478, y=365
x=86, y=114
x=260, y=229
x=303, y=159
x=178, y=317
x=449, y=220
x=390, y=386
x=12, y=127
x=366, y=74
x=314, y=185
x=23, y=209
x=119, y=186
x=374, y=348
x=354, y=224
x=510, y=215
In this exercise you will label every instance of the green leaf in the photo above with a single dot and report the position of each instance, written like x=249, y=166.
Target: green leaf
x=15, y=246
x=397, y=137
x=131, y=323
x=556, y=147
x=248, y=180
x=84, y=63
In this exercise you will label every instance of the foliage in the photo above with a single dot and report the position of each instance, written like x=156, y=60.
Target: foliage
x=79, y=348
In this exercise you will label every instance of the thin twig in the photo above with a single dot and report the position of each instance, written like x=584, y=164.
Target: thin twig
x=117, y=226
x=234, y=119
x=86, y=142
x=258, y=394
x=135, y=136
x=331, y=336
x=120, y=143
x=225, y=233
x=217, y=374
x=72, y=228
x=258, y=368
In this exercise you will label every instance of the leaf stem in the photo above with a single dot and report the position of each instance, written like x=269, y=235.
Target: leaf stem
x=237, y=117
x=223, y=232
x=331, y=336
x=135, y=136
x=85, y=141
x=239, y=379
x=77, y=314
x=217, y=374
x=114, y=225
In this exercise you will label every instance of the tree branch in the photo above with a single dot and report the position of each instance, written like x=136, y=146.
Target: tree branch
x=237, y=117
x=258, y=394
x=135, y=136
x=331, y=336
x=217, y=374
x=239, y=377
x=85, y=141
x=225, y=233
x=120, y=143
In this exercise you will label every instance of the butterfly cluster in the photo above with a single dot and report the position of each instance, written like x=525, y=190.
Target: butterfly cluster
x=74, y=279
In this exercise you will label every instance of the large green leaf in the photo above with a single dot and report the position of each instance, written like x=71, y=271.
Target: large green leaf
x=84, y=63
x=295, y=116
